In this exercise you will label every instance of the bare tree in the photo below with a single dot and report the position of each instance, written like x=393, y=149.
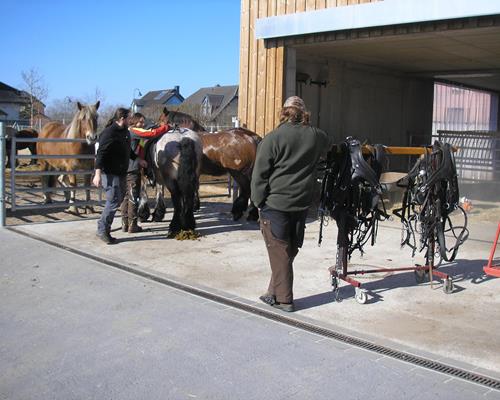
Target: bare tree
x=106, y=112
x=153, y=111
x=92, y=98
x=36, y=90
x=62, y=110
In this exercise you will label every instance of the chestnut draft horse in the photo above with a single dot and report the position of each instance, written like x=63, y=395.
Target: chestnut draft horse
x=231, y=151
x=83, y=126
x=27, y=133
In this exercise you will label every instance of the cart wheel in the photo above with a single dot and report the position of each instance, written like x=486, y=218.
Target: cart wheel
x=420, y=275
x=448, y=285
x=360, y=295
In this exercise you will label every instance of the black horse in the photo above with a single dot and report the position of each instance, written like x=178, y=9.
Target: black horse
x=176, y=159
x=22, y=134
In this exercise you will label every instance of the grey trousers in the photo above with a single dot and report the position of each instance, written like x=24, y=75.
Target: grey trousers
x=114, y=187
x=283, y=234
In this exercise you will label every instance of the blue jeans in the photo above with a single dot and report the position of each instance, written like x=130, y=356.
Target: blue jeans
x=114, y=187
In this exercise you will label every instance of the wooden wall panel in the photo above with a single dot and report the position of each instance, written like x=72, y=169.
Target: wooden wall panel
x=311, y=5
x=252, y=67
x=260, y=107
x=279, y=85
x=244, y=56
x=270, y=74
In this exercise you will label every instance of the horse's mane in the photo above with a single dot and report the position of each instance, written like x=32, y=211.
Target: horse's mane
x=72, y=131
x=183, y=120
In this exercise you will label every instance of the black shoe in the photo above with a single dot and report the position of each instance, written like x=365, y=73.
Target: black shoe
x=268, y=299
x=106, y=238
x=134, y=228
x=271, y=300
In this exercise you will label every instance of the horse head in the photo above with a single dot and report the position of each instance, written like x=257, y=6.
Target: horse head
x=84, y=124
x=179, y=119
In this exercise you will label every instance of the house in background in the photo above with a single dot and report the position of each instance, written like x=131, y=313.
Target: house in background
x=154, y=101
x=15, y=108
x=215, y=107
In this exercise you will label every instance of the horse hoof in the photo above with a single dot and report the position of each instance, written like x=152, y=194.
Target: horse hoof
x=237, y=216
x=158, y=217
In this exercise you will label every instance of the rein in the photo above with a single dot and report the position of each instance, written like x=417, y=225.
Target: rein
x=351, y=193
x=431, y=195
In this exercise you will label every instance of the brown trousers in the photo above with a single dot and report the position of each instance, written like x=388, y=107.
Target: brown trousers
x=283, y=234
x=130, y=203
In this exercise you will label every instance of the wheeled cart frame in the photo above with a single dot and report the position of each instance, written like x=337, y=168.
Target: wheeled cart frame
x=422, y=272
x=490, y=268
x=339, y=272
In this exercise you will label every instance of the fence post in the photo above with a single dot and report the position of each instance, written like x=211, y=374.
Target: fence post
x=2, y=174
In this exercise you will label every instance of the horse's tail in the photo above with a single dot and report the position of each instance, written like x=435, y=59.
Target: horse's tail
x=187, y=178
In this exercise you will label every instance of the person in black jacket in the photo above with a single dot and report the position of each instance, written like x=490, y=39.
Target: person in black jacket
x=282, y=187
x=112, y=160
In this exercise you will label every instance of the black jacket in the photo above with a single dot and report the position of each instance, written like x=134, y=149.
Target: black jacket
x=114, y=150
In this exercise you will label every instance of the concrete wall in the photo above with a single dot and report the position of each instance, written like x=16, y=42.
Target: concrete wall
x=374, y=105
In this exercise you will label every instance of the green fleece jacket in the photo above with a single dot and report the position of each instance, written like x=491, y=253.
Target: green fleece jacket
x=285, y=167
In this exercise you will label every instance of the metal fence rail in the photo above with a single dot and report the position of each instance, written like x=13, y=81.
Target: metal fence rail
x=2, y=174
x=478, y=158
x=14, y=189
x=37, y=206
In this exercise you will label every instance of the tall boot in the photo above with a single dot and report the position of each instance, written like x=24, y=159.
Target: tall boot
x=133, y=227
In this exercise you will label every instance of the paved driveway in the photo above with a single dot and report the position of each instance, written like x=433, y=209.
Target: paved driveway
x=72, y=328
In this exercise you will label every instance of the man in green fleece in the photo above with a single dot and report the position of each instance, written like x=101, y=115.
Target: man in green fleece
x=282, y=187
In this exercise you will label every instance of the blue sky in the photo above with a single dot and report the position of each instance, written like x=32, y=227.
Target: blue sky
x=117, y=46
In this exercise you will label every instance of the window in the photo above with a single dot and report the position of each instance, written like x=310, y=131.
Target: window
x=454, y=114
x=160, y=95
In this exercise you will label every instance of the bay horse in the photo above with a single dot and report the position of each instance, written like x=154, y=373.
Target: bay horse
x=176, y=160
x=230, y=151
x=82, y=126
x=28, y=133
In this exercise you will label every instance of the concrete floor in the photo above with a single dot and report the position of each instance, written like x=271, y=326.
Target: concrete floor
x=461, y=329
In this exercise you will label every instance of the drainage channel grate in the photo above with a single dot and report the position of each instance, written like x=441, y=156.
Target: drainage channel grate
x=399, y=355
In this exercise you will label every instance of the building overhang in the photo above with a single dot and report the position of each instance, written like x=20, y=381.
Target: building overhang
x=369, y=15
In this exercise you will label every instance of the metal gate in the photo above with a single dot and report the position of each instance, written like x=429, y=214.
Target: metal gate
x=16, y=190
x=478, y=158
x=478, y=155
